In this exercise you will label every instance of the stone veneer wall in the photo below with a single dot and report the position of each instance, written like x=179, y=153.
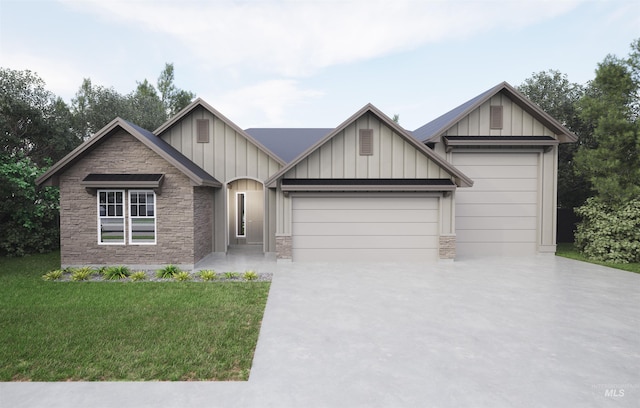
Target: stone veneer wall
x=447, y=247
x=202, y=221
x=284, y=247
x=122, y=153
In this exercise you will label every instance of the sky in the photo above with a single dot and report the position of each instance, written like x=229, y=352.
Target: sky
x=313, y=63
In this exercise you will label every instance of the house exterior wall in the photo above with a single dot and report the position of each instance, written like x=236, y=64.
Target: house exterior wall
x=227, y=156
x=122, y=153
x=203, y=211
x=516, y=121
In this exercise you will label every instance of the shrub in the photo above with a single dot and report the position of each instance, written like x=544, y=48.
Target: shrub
x=82, y=274
x=138, y=276
x=116, y=272
x=250, y=275
x=168, y=271
x=53, y=275
x=231, y=275
x=208, y=275
x=102, y=270
x=609, y=233
x=182, y=276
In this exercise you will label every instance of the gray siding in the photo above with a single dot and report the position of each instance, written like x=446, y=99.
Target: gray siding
x=516, y=122
x=393, y=157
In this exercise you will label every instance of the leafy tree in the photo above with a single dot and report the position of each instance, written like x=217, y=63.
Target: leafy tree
x=94, y=106
x=33, y=122
x=146, y=108
x=611, y=105
x=173, y=99
x=554, y=94
x=28, y=215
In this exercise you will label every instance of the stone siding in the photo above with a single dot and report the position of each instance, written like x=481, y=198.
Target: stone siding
x=284, y=246
x=203, y=221
x=122, y=153
x=447, y=247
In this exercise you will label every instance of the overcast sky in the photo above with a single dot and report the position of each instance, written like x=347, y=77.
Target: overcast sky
x=313, y=63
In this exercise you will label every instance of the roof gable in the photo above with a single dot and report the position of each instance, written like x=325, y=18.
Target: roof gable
x=200, y=103
x=197, y=175
x=403, y=154
x=434, y=130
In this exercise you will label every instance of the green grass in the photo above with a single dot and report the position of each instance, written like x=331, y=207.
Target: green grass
x=568, y=250
x=123, y=331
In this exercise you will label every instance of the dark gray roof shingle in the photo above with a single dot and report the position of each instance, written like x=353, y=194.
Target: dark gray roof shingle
x=288, y=143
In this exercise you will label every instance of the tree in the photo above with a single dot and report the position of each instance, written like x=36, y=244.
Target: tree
x=33, y=121
x=610, y=105
x=172, y=98
x=146, y=107
x=554, y=94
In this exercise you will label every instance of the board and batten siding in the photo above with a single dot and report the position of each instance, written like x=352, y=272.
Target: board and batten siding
x=516, y=121
x=393, y=156
x=228, y=155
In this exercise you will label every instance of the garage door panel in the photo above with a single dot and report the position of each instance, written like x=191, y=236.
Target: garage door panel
x=366, y=228
x=370, y=255
x=498, y=215
x=504, y=184
x=363, y=242
x=497, y=197
x=513, y=172
x=497, y=222
x=364, y=203
x=507, y=210
x=495, y=159
x=387, y=215
x=502, y=236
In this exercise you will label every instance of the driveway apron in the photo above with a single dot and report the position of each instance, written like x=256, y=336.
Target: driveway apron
x=536, y=332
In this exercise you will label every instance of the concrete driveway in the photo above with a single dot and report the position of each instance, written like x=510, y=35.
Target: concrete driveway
x=540, y=332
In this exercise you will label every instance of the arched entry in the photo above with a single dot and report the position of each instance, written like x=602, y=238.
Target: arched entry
x=245, y=201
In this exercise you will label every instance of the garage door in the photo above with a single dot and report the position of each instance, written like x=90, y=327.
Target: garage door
x=365, y=228
x=498, y=215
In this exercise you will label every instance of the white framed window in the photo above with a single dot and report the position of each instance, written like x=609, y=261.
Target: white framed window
x=111, y=214
x=241, y=215
x=142, y=217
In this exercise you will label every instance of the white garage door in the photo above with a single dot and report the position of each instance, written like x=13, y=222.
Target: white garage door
x=498, y=215
x=365, y=228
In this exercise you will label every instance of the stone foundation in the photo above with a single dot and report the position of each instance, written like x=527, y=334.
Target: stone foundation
x=447, y=247
x=284, y=247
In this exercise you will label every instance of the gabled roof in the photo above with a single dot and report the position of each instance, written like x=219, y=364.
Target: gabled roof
x=288, y=143
x=432, y=131
x=200, y=103
x=198, y=176
x=461, y=178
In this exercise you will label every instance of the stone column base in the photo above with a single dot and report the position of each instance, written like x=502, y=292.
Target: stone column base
x=284, y=247
x=447, y=247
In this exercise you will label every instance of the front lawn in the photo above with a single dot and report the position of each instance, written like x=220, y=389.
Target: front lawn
x=124, y=331
x=568, y=250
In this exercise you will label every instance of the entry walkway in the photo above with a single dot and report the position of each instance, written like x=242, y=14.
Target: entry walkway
x=539, y=332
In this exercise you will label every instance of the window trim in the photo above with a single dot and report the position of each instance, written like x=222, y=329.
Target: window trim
x=123, y=217
x=155, y=218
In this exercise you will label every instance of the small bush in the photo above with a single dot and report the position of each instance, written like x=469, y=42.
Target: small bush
x=250, y=275
x=138, y=276
x=82, y=274
x=53, y=275
x=232, y=275
x=182, y=276
x=208, y=275
x=117, y=272
x=102, y=270
x=168, y=271
x=609, y=233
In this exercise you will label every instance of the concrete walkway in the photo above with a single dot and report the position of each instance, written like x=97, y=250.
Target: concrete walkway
x=540, y=332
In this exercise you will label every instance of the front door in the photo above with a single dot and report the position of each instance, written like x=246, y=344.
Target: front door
x=246, y=212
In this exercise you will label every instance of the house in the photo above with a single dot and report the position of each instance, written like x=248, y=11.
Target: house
x=479, y=180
